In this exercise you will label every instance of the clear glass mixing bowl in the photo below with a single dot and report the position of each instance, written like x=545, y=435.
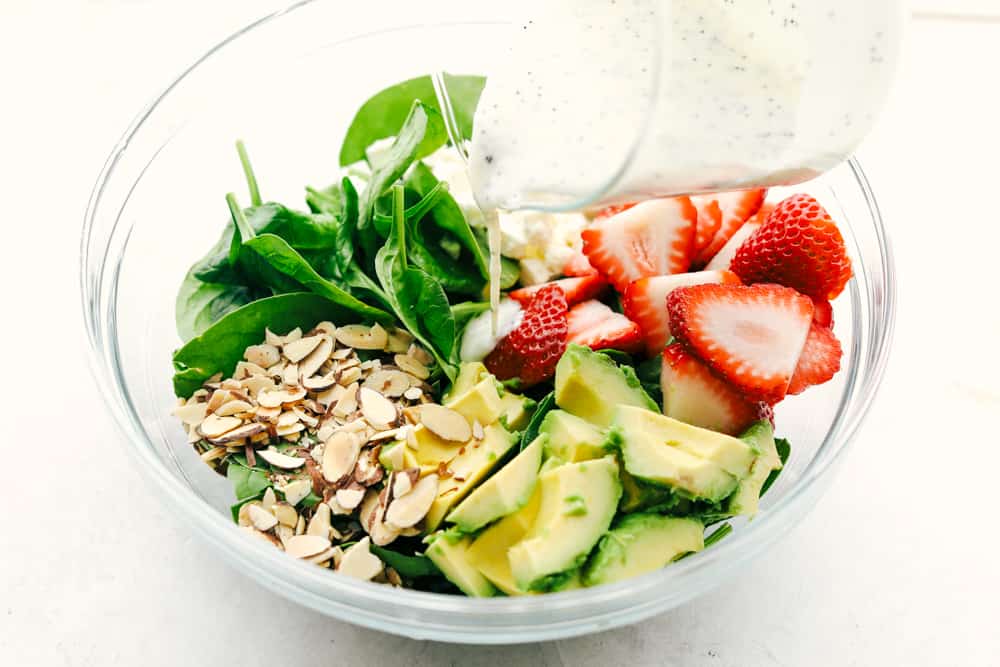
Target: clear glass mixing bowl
x=289, y=85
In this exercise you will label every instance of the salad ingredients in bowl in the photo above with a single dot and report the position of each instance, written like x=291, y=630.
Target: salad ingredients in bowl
x=342, y=369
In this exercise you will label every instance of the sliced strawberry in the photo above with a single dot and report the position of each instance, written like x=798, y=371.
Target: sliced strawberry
x=819, y=361
x=575, y=289
x=530, y=352
x=798, y=246
x=709, y=221
x=692, y=394
x=823, y=313
x=609, y=211
x=578, y=265
x=737, y=207
x=765, y=412
x=765, y=210
x=750, y=336
x=724, y=257
x=645, y=302
x=593, y=324
x=653, y=238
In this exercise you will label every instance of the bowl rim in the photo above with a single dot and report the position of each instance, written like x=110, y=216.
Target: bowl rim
x=340, y=596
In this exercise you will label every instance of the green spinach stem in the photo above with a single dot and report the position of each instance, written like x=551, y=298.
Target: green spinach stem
x=244, y=232
x=248, y=172
x=399, y=220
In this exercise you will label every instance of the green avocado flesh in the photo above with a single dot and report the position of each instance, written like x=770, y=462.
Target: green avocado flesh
x=642, y=543
x=571, y=438
x=590, y=384
x=760, y=436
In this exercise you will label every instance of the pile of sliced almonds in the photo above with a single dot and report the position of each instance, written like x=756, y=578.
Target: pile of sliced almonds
x=319, y=416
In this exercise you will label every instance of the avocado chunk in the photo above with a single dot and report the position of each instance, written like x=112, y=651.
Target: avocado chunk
x=469, y=464
x=516, y=411
x=642, y=543
x=480, y=403
x=450, y=552
x=650, y=453
x=578, y=502
x=590, y=384
x=469, y=375
x=489, y=550
x=506, y=491
x=760, y=436
x=572, y=439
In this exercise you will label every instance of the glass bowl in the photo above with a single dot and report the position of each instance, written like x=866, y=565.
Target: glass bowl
x=288, y=85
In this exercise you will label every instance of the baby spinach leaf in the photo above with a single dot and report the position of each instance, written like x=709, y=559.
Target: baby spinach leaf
x=784, y=450
x=545, y=406
x=465, y=311
x=510, y=272
x=200, y=304
x=384, y=113
x=410, y=567
x=648, y=373
x=247, y=483
x=220, y=346
x=248, y=172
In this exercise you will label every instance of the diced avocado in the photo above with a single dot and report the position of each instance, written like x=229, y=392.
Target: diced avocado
x=489, y=550
x=450, y=552
x=642, y=543
x=506, y=491
x=760, y=436
x=516, y=411
x=638, y=495
x=590, y=384
x=480, y=403
x=572, y=439
x=566, y=528
x=471, y=462
x=431, y=450
x=649, y=456
x=469, y=375
x=392, y=456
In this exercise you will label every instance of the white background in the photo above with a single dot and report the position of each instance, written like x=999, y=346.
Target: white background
x=898, y=564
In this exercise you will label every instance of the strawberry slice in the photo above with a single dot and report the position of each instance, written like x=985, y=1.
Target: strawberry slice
x=819, y=361
x=692, y=394
x=798, y=246
x=724, y=258
x=609, y=211
x=653, y=238
x=750, y=336
x=530, y=352
x=645, y=302
x=593, y=324
x=823, y=313
x=578, y=265
x=575, y=289
x=709, y=221
x=737, y=207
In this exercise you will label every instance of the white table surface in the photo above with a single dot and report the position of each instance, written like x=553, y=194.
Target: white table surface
x=897, y=565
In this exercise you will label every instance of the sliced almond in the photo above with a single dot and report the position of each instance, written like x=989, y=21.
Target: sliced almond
x=412, y=366
x=359, y=562
x=287, y=418
x=300, y=527
x=233, y=408
x=213, y=454
x=341, y=353
x=298, y=350
x=284, y=534
x=377, y=409
x=262, y=355
x=290, y=376
x=266, y=537
x=413, y=394
x=314, y=360
x=269, y=499
x=218, y=398
x=293, y=395
x=321, y=382
x=420, y=354
x=477, y=430
x=340, y=454
x=269, y=414
x=256, y=384
x=271, y=399
x=246, y=369
x=319, y=524
x=286, y=514
x=389, y=383
x=305, y=417
x=277, y=340
x=191, y=414
x=399, y=341
x=348, y=402
x=214, y=426
x=304, y=546
x=331, y=395
x=401, y=484
x=410, y=508
x=361, y=337
x=328, y=328
x=230, y=384
x=350, y=497
x=279, y=460
x=368, y=471
x=381, y=436
x=243, y=516
x=278, y=370
x=288, y=431
x=369, y=505
x=297, y=490
x=445, y=423
x=381, y=532
x=261, y=519
x=245, y=431
x=336, y=507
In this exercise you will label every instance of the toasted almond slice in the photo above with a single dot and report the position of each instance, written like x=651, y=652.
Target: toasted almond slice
x=389, y=383
x=445, y=423
x=297, y=490
x=381, y=532
x=420, y=354
x=218, y=398
x=256, y=384
x=277, y=340
x=286, y=514
x=192, y=414
x=359, y=562
x=399, y=341
x=300, y=527
x=347, y=403
x=284, y=534
x=298, y=350
x=413, y=393
x=261, y=519
x=243, y=516
x=315, y=359
x=341, y=353
x=349, y=376
x=278, y=370
x=381, y=436
x=305, y=417
x=369, y=505
x=213, y=454
x=377, y=409
x=271, y=399
x=266, y=537
x=350, y=497
x=287, y=418
x=304, y=546
x=336, y=507
x=233, y=408
x=328, y=328
x=246, y=369
x=331, y=395
x=213, y=426
x=288, y=431
x=321, y=382
x=290, y=376
x=319, y=524
x=477, y=430
x=412, y=366
x=270, y=414
x=262, y=355
x=361, y=337
x=279, y=460
x=245, y=431
x=368, y=471
x=407, y=510
x=401, y=484
x=340, y=454
x=269, y=499
x=229, y=383
x=293, y=395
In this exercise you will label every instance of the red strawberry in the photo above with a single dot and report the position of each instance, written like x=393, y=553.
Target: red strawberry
x=693, y=395
x=724, y=257
x=765, y=412
x=819, y=361
x=750, y=336
x=575, y=289
x=709, y=221
x=593, y=324
x=530, y=352
x=798, y=246
x=645, y=302
x=823, y=313
x=737, y=207
x=765, y=210
x=578, y=265
x=609, y=211
x=653, y=238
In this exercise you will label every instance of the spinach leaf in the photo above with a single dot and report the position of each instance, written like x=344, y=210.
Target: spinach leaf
x=422, y=125
x=385, y=112
x=410, y=567
x=648, y=373
x=510, y=272
x=784, y=450
x=248, y=172
x=221, y=346
x=546, y=405
x=200, y=304
x=247, y=483
x=718, y=534
x=465, y=311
